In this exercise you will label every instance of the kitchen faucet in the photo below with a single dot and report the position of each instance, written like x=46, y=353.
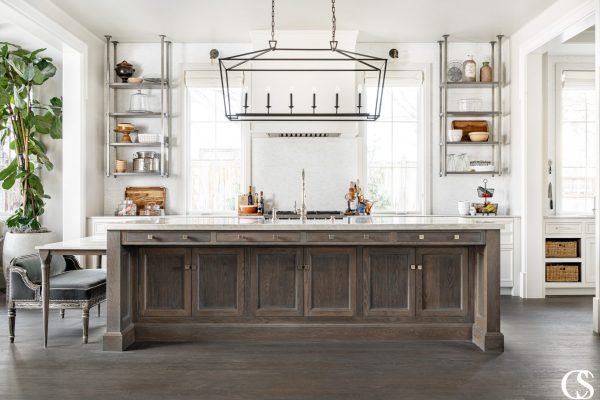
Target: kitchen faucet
x=303, y=211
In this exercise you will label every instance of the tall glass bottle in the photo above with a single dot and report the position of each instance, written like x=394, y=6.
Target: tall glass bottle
x=469, y=70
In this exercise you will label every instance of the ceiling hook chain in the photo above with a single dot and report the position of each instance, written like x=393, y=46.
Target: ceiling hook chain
x=333, y=42
x=272, y=42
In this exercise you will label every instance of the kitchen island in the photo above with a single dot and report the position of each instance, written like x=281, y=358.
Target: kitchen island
x=202, y=279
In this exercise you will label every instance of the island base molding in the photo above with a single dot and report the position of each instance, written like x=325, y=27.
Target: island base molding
x=392, y=288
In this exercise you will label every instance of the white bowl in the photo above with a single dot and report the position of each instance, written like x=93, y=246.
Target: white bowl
x=455, y=135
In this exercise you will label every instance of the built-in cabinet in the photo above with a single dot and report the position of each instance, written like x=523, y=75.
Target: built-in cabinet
x=303, y=282
x=581, y=231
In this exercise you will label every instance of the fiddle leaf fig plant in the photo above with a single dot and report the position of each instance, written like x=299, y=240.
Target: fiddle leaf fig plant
x=24, y=120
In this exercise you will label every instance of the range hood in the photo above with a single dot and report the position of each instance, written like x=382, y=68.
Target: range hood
x=326, y=88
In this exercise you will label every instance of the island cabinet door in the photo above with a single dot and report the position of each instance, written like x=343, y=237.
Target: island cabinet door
x=442, y=284
x=218, y=282
x=276, y=276
x=165, y=282
x=330, y=282
x=388, y=282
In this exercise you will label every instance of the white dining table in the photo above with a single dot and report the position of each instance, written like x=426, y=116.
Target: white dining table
x=86, y=246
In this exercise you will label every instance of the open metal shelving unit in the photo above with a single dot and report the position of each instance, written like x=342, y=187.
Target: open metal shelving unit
x=494, y=115
x=113, y=114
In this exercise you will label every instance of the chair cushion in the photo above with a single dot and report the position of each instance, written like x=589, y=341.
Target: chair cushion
x=85, y=284
x=33, y=265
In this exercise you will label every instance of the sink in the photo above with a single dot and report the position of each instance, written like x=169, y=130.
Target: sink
x=309, y=215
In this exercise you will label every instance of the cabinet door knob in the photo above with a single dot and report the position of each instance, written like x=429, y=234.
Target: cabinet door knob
x=456, y=237
x=187, y=267
x=184, y=237
x=300, y=266
x=331, y=237
x=150, y=237
x=419, y=267
x=421, y=237
x=413, y=267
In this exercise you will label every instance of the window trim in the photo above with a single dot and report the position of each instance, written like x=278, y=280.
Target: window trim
x=212, y=73
x=556, y=66
x=425, y=178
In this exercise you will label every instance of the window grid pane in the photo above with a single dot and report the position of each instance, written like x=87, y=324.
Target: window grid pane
x=392, y=152
x=215, y=152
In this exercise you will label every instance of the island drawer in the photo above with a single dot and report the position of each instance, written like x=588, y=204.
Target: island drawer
x=166, y=237
x=238, y=237
x=440, y=237
x=362, y=237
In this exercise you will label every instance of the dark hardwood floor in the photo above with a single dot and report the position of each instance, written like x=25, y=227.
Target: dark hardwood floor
x=544, y=339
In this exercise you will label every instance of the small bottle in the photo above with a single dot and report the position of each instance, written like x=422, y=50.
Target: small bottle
x=250, y=197
x=261, y=204
x=469, y=70
x=486, y=73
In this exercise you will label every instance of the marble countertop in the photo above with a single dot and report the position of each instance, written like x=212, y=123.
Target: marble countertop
x=366, y=223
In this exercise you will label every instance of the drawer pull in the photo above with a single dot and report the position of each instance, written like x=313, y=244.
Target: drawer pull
x=150, y=237
x=240, y=237
x=187, y=267
x=184, y=237
x=366, y=236
x=456, y=237
x=413, y=267
x=331, y=237
x=419, y=267
x=421, y=237
x=275, y=236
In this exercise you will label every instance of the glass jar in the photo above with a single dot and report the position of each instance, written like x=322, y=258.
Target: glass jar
x=469, y=70
x=137, y=102
x=486, y=73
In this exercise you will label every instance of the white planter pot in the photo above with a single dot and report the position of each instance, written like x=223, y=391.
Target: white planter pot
x=20, y=244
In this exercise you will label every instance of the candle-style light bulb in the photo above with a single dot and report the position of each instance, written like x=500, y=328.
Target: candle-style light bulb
x=268, y=90
x=245, y=97
x=337, y=98
x=314, y=99
x=291, y=98
x=359, y=97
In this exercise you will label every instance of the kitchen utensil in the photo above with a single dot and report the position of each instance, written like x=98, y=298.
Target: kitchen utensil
x=479, y=136
x=469, y=104
x=455, y=135
x=146, y=161
x=143, y=195
x=464, y=207
x=138, y=103
x=124, y=70
x=121, y=166
x=248, y=209
x=135, y=80
x=550, y=196
x=468, y=126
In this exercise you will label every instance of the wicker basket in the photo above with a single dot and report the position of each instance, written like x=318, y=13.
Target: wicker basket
x=562, y=273
x=561, y=248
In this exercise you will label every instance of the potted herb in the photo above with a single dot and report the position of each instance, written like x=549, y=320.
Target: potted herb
x=24, y=120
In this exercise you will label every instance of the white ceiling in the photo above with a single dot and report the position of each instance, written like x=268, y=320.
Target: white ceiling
x=211, y=21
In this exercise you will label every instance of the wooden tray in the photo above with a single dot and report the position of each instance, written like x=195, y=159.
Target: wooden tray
x=142, y=195
x=469, y=126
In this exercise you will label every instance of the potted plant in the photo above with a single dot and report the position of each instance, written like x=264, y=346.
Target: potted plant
x=24, y=120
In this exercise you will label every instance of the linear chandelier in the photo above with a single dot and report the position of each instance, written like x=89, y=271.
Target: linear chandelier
x=302, y=69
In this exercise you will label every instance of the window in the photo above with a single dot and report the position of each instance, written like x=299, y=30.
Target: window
x=575, y=142
x=10, y=200
x=394, y=148
x=214, y=149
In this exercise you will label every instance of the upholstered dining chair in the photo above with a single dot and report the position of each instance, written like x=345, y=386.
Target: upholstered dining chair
x=71, y=287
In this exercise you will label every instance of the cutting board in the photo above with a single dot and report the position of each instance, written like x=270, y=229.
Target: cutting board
x=142, y=195
x=468, y=127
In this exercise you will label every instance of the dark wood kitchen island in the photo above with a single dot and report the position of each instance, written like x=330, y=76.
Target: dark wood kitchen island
x=388, y=278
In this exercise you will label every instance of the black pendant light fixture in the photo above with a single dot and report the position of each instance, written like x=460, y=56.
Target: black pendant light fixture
x=306, y=68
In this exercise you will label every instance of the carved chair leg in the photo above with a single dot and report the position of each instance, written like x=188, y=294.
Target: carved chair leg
x=86, y=323
x=12, y=314
x=62, y=313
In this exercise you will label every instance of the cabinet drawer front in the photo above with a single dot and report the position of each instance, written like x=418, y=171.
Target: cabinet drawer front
x=439, y=237
x=166, y=237
x=245, y=237
x=346, y=237
x=590, y=228
x=563, y=227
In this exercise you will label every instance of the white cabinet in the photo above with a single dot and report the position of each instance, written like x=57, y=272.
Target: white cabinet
x=590, y=265
x=506, y=267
